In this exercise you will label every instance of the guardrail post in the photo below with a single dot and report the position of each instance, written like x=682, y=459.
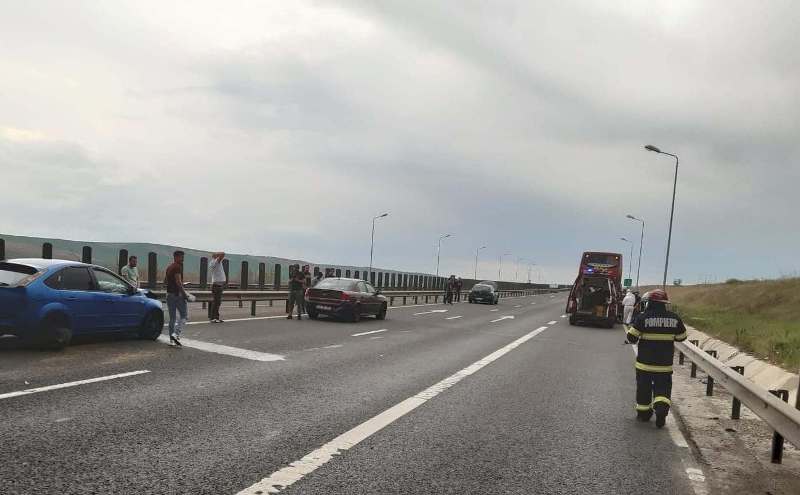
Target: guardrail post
x=276, y=284
x=122, y=259
x=2, y=249
x=262, y=275
x=416, y=299
x=736, y=408
x=203, y=274
x=693, y=373
x=404, y=300
x=680, y=358
x=152, y=269
x=47, y=251
x=777, y=438
x=86, y=254
x=709, y=378
x=391, y=300
x=244, y=276
x=252, y=308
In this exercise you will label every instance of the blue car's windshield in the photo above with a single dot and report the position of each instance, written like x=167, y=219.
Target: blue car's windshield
x=11, y=273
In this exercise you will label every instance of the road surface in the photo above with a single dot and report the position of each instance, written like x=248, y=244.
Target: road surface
x=463, y=401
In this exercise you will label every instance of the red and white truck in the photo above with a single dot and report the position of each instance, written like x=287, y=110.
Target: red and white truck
x=596, y=295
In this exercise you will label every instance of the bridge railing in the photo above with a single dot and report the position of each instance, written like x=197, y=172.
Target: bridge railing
x=769, y=405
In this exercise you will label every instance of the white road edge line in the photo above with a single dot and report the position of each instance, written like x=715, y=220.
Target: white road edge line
x=71, y=384
x=294, y=472
x=453, y=317
x=226, y=350
x=371, y=331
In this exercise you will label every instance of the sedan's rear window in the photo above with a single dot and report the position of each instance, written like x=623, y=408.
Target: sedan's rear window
x=12, y=273
x=336, y=284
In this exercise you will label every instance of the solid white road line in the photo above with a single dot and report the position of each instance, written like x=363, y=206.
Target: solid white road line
x=552, y=322
x=494, y=310
x=371, y=331
x=453, y=317
x=563, y=316
x=226, y=350
x=294, y=472
x=431, y=312
x=518, y=306
x=70, y=384
x=533, y=304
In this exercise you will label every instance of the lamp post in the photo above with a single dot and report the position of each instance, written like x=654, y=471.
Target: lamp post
x=439, y=250
x=630, y=259
x=641, y=241
x=476, y=261
x=500, y=266
x=655, y=149
x=372, y=243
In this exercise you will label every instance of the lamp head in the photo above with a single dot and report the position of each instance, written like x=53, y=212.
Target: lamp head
x=650, y=147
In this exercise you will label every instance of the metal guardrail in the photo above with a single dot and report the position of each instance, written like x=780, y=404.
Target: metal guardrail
x=425, y=296
x=779, y=415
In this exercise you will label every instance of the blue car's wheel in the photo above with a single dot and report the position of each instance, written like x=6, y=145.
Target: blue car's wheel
x=55, y=334
x=152, y=325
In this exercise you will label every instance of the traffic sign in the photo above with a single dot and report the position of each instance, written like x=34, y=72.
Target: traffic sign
x=628, y=282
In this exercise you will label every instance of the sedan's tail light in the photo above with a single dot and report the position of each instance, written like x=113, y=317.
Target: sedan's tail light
x=344, y=296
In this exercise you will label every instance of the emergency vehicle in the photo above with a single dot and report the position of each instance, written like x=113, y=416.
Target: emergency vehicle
x=596, y=295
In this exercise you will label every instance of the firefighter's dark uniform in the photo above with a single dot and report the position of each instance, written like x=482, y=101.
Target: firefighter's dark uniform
x=656, y=330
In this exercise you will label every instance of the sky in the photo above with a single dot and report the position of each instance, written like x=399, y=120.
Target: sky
x=282, y=128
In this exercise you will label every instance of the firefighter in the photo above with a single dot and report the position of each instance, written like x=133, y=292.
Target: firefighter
x=656, y=330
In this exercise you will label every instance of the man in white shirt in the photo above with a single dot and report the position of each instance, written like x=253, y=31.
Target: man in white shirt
x=130, y=272
x=218, y=281
x=628, y=303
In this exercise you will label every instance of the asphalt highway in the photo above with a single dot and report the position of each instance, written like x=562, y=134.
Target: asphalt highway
x=463, y=401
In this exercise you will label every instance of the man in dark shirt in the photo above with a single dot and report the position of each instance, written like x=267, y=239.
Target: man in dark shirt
x=176, y=298
x=296, y=292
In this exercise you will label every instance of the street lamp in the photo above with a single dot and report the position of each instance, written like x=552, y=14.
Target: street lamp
x=654, y=149
x=641, y=241
x=630, y=260
x=372, y=244
x=438, y=251
x=476, y=261
x=500, y=266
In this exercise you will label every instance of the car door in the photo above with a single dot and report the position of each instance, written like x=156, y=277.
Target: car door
x=371, y=300
x=120, y=306
x=73, y=288
x=363, y=297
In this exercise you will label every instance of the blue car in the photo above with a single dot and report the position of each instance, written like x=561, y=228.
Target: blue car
x=48, y=301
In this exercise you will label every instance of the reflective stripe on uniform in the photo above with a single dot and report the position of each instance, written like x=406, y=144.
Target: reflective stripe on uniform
x=652, y=368
x=633, y=331
x=680, y=336
x=640, y=407
x=657, y=336
x=661, y=398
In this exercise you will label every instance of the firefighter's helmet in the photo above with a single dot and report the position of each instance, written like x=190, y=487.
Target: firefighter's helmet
x=656, y=295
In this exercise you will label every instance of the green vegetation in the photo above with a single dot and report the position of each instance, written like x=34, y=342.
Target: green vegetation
x=760, y=317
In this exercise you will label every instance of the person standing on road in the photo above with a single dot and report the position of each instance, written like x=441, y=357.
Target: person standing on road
x=656, y=330
x=317, y=279
x=450, y=287
x=628, y=303
x=459, y=285
x=176, y=298
x=218, y=281
x=130, y=272
x=296, y=293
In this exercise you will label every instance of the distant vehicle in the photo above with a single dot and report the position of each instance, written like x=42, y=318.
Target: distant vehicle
x=596, y=295
x=485, y=292
x=346, y=298
x=48, y=301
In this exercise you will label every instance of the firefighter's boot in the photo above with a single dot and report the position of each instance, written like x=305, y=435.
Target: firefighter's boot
x=661, y=414
x=644, y=416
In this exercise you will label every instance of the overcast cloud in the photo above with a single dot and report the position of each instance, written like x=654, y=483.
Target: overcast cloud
x=280, y=128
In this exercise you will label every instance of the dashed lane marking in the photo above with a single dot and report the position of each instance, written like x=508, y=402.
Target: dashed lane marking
x=453, y=317
x=294, y=472
x=563, y=316
x=71, y=384
x=370, y=332
x=376, y=337
x=552, y=322
x=507, y=317
x=494, y=310
x=226, y=350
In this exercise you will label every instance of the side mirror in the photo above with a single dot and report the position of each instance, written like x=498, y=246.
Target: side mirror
x=378, y=292
x=132, y=291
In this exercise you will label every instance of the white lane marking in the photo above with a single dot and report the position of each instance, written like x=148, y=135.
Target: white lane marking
x=453, y=317
x=494, y=310
x=518, y=306
x=70, y=384
x=431, y=312
x=533, y=304
x=334, y=346
x=377, y=337
x=552, y=322
x=508, y=317
x=563, y=316
x=226, y=350
x=370, y=332
x=295, y=471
